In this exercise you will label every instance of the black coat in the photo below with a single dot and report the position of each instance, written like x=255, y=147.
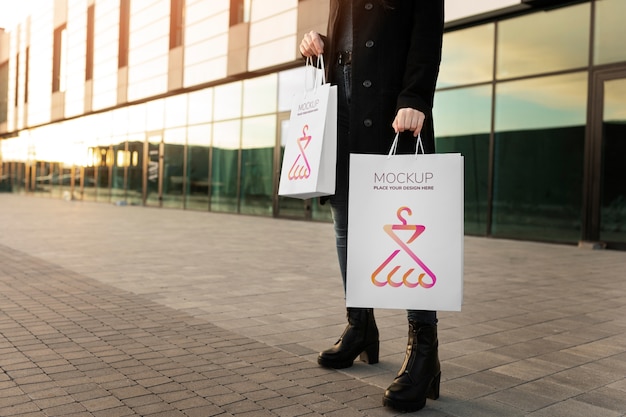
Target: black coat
x=395, y=63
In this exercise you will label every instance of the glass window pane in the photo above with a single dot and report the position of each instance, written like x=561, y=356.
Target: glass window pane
x=200, y=106
x=539, y=144
x=462, y=124
x=259, y=95
x=176, y=111
x=103, y=164
x=137, y=119
x=290, y=82
x=119, y=163
x=257, y=165
x=613, y=203
x=119, y=124
x=153, y=153
x=155, y=115
x=173, y=167
x=198, y=147
x=610, y=31
x=134, y=192
x=225, y=166
x=538, y=43
x=541, y=102
x=467, y=56
x=227, y=101
x=91, y=164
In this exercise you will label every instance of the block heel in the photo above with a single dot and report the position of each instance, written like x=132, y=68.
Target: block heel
x=370, y=353
x=433, y=390
x=359, y=339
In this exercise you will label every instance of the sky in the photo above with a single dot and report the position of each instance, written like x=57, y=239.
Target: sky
x=13, y=11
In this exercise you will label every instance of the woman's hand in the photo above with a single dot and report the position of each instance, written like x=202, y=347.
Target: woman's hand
x=409, y=119
x=312, y=44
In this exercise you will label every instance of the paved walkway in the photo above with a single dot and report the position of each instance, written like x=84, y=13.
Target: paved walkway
x=120, y=311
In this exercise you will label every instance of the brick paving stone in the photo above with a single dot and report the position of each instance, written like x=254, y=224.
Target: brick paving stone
x=206, y=411
x=118, y=317
x=114, y=412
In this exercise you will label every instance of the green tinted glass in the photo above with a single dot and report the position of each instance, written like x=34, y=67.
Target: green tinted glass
x=538, y=172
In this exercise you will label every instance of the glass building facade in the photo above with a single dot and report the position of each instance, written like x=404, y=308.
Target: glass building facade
x=184, y=103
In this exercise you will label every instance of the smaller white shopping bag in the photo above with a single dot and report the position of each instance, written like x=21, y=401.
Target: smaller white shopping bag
x=405, y=232
x=310, y=157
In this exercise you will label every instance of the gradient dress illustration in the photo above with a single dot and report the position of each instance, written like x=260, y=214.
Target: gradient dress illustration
x=391, y=229
x=301, y=169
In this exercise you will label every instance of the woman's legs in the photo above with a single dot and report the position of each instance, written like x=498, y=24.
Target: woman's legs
x=360, y=336
x=422, y=316
x=339, y=211
x=339, y=201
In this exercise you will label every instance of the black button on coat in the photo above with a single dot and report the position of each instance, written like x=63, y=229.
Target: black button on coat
x=395, y=63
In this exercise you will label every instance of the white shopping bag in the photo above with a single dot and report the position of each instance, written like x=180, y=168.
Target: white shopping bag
x=309, y=161
x=405, y=232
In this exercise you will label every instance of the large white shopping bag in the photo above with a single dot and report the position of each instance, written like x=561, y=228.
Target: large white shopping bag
x=405, y=232
x=309, y=161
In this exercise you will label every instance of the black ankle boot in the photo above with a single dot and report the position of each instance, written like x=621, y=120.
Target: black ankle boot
x=359, y=337
x=420, y=374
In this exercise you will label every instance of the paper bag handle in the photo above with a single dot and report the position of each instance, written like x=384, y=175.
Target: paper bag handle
x=318, y=66
x=394, y=145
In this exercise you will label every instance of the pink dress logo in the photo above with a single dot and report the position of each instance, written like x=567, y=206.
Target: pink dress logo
x=406, y=277
x=301, y=169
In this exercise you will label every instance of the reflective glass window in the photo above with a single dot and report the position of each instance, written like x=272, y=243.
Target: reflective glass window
x=103, y=174
x=290, y=82
x=119, y=123
x=225, y=166
x=173, y=167
x=467, y=56
x=118, y=172
x=198, y=154
x=153, y=164
x=610, y=31
x=613, y=203
x=100, y=124
x=257, y=164
x=200, y=106
x=134, y=160
x=103, y=161
x=155, y=115
x=41, y=184
x=227, y=101
x=462, y=124
x=92, y=162
x=176, y=111
x=67, y=175
x=539, y=144
x=259, y=95
x=137, y=118
x=543, y=42
x=55, y=180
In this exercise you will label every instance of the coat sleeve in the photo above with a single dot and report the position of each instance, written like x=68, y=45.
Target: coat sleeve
x=424, y=56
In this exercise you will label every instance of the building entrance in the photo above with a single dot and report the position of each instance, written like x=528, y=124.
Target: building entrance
x=153, y=169
x=605, y=192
